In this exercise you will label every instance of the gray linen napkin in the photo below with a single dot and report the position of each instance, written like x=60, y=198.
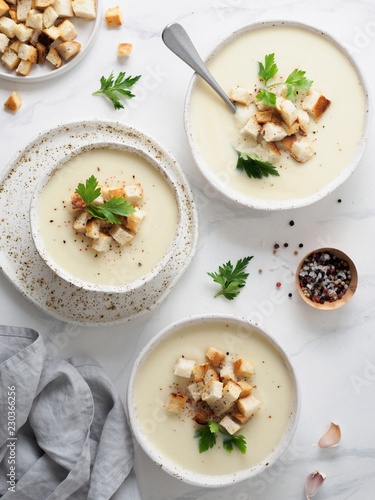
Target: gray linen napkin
x=72, y=440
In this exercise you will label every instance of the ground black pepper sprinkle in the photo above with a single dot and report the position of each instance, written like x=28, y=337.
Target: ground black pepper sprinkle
x=286, y=245
x=339, y=200
x=290, y=295
x=324, y=277
x=300, y=245
x=291, y=223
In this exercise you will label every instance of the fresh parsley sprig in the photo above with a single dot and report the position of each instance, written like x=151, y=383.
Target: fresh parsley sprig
x=237, y=440
x=110, y=211
x=207, y=436
x=255, y=166
x=231, y=280
x=296, y=80
x=111, y=88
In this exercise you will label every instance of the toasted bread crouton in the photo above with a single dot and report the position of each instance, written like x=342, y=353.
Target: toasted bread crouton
x=13, y=103
x=42, y=4
x=176, y=402
x=221, y=406
x=93, y=228
x=288, y=141
x=84, y=8
x=67, y=30
x=252, y=128
x=28, y=53
x=23, y=8
x=124, y=49
x=241, y=96
x=63, y=8
x=248, y=406
x=287, y=110
x=279, y=90
x=212, y=392
x=76, y=203
x=211, y=375
x=35, y=37
x=133, y=220
x=113, y=17
x=49, y=35
x=194, y=391
x=98, y=201
x=231, y=391
x=230, y=425
x=133, y=193
x=24, y=67
x=237, y=415
x=10, y=59
x=54, y=58
x=243, y=368
x=246, y=389
x=23, y=33
x=49, y=17
x=260, y=105
x=201, y=417
x=227, y=372
x=4, y=7
x=110, y=192
x=215, y=357
x=67, y=50
x=303, y=120
x=34, y=20
x=4, y=41
x=184, y=367
x=264, y=116
x=273, y=132
x=12, y=3
x=13, y=14
x=15, y=46
x=103, y=243
x=120, y=234
x=81, y=221
x=302, y=151
x=7, y=26
x=315, y=103
x=292, y=129
x=274, y=148
x=200, y=371
x=42, y=53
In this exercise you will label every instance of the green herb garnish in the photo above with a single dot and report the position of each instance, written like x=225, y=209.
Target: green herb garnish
x=110, y=211
x=111, y=88
x=255, y=166
x=296, y=80
x=237, y=440
x=207, y=436
x=232, y=280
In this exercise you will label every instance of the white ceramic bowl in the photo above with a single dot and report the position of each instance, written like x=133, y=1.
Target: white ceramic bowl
x=86, y=29
x=157, y=454
x=62, y=273
x=265, y=204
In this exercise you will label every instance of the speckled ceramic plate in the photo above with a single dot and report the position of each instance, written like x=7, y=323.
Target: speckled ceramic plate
x=20, y=261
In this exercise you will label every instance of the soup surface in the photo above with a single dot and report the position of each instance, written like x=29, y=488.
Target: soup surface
x=120, y=265
x=173, y=434
x=334, y=137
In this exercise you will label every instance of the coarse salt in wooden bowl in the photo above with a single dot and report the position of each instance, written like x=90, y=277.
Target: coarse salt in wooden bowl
x=345, y=297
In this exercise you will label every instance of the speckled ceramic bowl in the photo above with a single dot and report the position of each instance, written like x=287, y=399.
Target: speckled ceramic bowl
x=219, y=180
x=157, y=456
x=39, y=242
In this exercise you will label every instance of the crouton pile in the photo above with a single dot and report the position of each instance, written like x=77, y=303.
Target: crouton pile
x=284, y=127
x=218, y=390
x=104, y=233
x=33, y=31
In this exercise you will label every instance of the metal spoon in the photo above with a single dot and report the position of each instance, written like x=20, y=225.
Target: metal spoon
x=177, y=40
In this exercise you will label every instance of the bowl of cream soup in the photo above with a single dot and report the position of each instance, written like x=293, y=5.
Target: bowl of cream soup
x=330, y=134
x=94, y=253
x=168, y=415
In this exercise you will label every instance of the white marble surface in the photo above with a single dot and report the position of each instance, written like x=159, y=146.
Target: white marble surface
x=333, y=353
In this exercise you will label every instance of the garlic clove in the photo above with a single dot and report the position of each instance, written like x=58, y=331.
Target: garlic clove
x=331, y=437
x=313, y=482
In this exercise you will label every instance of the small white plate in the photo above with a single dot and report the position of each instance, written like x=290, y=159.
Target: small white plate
x=86, y=30
x=20, y=260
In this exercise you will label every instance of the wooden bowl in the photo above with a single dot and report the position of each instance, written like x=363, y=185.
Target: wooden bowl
x=328, y=306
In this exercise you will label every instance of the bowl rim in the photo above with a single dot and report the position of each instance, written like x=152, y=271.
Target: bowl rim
x=38, y=240
x=331, y=306
x=187, y=476
x=259, y=203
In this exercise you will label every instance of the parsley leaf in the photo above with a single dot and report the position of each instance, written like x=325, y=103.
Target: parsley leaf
x=90, y=191
x=255, y=166
x=267, y=97
x=237, y=440
x=111, y=88
x=207, y=436
x=110, y=210
x=269, y=69
x=231, y=279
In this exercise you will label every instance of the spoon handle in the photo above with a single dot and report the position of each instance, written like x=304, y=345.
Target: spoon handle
x=177, y=40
